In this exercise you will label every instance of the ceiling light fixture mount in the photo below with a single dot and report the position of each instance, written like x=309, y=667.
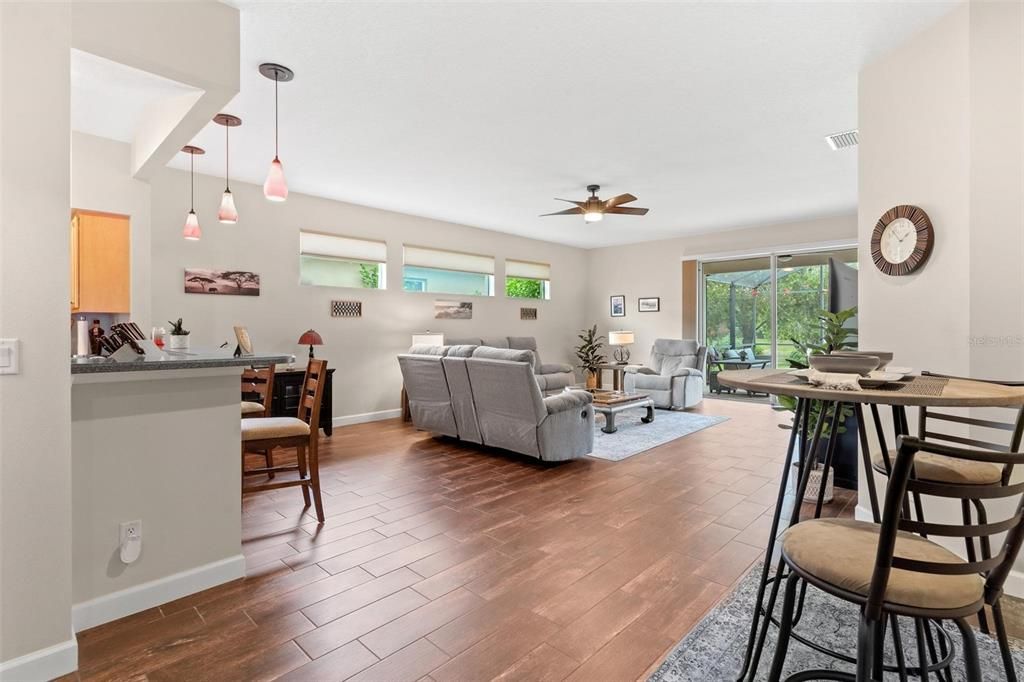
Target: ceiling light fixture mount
x=227, y=214
x=275, y=188
x=192, y=231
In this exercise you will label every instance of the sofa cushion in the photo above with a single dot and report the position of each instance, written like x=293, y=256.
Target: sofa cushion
x=464, y=341
x=673, y=365
x=424, y=349
x=497, y=342
x=526, y=343
x=730, y=354
x=461, y=351
x=492, y=353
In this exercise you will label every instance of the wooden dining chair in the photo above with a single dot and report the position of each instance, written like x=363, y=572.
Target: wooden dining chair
x=300, y=432
x=892, y=568
x=257, y=391
x=935, y=425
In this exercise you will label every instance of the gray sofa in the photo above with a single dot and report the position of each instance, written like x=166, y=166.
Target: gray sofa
x=490, y=396
x=550, y=376
x=674, y=376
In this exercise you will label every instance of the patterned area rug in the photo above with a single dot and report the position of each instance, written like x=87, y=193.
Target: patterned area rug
x=714, y=649
x=634, y=437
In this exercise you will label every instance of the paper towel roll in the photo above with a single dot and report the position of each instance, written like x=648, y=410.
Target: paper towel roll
x=82, y=338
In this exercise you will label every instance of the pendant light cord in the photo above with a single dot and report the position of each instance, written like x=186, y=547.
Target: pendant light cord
x=192, y=180
x=227, y=159
x=276, y=77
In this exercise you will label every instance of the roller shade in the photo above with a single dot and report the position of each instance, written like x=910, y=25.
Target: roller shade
x=527, y=269
x=346, y=248
x=422, y=257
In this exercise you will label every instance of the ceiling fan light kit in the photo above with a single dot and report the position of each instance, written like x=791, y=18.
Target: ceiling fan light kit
x=594, y=208
x=276, y=187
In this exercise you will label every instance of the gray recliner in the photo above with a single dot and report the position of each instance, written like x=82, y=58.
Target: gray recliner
x=551, y=376
x=490, y=396
x=675, y=376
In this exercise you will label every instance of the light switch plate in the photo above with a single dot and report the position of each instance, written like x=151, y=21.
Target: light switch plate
x=10, y=356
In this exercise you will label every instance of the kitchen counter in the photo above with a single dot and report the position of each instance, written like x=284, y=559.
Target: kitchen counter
x=168, y=360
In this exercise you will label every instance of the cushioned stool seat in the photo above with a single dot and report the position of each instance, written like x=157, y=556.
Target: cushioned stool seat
x=931, y=467
x=273, y=427
x=249, y=407
x=841, y=552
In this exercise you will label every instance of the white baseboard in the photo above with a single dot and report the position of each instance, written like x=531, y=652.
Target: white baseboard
x=1014, y=585
x=45, y=664
x=349, y=419
x=156, y=592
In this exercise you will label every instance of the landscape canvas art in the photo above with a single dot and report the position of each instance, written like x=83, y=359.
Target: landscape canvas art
x=453, y=310
x=223, y=282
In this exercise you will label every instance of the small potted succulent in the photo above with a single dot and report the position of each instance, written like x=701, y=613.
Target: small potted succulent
x=589, y=354
x=178, y=337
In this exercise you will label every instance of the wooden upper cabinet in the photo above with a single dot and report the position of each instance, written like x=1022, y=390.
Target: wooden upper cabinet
x=100, y=262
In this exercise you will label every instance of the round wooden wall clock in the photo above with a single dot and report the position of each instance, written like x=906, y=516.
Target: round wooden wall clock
x=902, y=240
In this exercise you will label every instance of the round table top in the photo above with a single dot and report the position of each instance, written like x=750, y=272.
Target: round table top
x=918, y=392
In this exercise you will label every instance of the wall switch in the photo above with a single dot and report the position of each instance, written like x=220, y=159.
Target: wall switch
x=10, y=356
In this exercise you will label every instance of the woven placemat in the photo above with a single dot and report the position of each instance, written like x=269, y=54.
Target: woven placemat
x=917, y=385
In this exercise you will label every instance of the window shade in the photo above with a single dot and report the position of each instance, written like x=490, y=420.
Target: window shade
x=527, y=269
x=347, y=248
x=422, y=257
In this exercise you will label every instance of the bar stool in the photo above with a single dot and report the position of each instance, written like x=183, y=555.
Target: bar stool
x=891, y=569
x=301, y=432
x=258, y=384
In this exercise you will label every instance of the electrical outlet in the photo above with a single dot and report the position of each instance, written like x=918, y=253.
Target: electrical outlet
x=130, y=530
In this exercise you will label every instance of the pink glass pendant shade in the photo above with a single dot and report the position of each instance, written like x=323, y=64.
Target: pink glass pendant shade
x=275, y=188
x=192, y=231
x=227, y=213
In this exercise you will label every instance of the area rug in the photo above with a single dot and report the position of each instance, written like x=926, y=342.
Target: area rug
x=634, y=437
x=714, y=649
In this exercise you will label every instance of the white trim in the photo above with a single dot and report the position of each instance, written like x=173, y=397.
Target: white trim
x=805, y=247
x=44, y=664
x=1014, y=585
x=350, y=419
x=155, y=592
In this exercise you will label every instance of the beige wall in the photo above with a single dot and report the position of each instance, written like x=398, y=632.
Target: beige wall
x=655, y=269
x=35, y=465
x=363, y=350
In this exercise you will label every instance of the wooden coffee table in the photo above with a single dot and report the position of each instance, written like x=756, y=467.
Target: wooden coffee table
x=610, y=403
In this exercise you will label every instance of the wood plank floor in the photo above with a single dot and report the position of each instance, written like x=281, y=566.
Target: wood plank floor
x=443, y=562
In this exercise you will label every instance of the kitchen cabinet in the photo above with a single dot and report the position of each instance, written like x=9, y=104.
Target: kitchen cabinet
x=100, y=262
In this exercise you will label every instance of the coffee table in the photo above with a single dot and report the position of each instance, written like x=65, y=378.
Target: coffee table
x=621, y=403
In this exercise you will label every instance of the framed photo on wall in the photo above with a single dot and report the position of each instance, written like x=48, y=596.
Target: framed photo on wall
x=651, y=304
x=617, y=305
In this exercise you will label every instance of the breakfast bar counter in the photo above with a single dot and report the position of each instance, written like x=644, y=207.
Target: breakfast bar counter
x=155, y=441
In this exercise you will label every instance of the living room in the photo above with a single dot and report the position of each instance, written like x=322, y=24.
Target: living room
x=399, y=223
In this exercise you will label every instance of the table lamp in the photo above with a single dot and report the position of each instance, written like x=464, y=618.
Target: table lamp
x=311, y=338
x=621, y=340
x=428, y=338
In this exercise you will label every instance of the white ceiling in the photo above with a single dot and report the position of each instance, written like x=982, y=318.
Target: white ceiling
x=108, y=99
x=713, y=114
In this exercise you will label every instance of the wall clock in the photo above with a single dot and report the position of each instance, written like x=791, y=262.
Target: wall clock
x=902, y=240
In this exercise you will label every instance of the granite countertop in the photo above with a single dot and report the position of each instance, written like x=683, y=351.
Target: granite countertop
x=198, y=359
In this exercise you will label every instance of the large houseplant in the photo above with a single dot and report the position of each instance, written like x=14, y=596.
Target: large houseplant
x=832, y=333
x=589, y=354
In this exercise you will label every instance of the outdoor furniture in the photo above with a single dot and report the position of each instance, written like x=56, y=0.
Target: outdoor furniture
x=716, y=366
x=916, y=391
x=674, y=376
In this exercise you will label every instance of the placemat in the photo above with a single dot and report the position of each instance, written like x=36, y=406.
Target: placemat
x=916, y=385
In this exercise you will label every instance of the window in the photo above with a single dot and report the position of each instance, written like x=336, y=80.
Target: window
x=524, y=279
x=329, y=260
x=447, y=272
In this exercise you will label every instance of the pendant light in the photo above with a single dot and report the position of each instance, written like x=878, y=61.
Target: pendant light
x=227, y=213
x=192, y=230
x=275, y=188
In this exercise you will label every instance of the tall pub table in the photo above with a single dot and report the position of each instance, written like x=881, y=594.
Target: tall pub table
x=913, y=391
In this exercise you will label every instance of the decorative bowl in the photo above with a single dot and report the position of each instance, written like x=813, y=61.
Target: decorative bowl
x=884, y=356
x=844, y=364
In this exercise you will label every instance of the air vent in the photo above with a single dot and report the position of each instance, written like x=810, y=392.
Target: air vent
x=837, y=141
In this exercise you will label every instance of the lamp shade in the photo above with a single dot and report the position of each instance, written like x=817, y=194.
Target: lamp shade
x=620, y=338
x=428, y=339
x=192, y=231
x=310, y=338
x=227, y=213
x=275, y=188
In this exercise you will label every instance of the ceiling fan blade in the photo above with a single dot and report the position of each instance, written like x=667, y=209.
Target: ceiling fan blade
x=628, y=210
x=568, y=211
x=581, y=204
x=621, y=199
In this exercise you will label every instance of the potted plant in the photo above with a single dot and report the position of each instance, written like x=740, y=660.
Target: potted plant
x=178, y=338
x=589, y=354
x=834, y=335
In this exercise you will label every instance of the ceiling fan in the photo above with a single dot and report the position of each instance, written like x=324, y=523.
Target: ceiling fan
x=593, y=209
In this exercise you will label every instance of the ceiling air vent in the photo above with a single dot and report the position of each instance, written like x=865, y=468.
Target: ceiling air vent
x=837, y=141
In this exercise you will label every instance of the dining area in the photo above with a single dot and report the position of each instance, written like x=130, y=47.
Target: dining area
x=938, y=527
